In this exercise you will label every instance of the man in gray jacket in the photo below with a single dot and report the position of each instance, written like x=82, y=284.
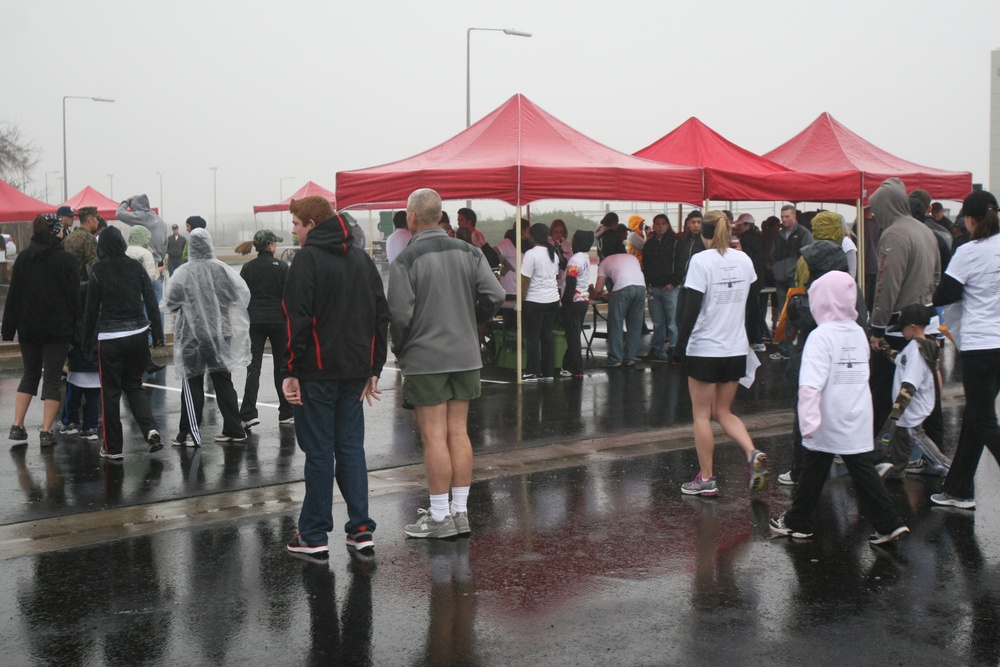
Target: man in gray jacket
x=909, y=268
x=135, y=211
x=438, y=288
x=786, y=248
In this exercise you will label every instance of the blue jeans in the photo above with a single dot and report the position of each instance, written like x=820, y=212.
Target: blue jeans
x=90, y=399
x=663, y=311
x=330, y=429
x=625, y=307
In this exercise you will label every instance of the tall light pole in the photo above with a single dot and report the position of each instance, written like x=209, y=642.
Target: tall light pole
x=72, y=97
x=47, y=185
x=160, y=174
x=111, y=186
x=468, y=63
x=281, y=198
x=215, y=200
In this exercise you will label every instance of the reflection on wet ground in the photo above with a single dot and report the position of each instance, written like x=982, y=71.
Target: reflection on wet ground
x=593, y=564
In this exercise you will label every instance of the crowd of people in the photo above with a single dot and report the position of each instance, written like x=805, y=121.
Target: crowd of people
x=866, y=363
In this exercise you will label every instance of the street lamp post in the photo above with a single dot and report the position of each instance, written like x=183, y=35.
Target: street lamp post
x=281, y=198
x=215, y=201
x=47, y=185
x=111, y=186
x=72, y=97
x=160, y=174
x=468, y=63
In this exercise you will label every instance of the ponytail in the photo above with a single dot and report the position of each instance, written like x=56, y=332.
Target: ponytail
x=719, y=225
x=987, y=226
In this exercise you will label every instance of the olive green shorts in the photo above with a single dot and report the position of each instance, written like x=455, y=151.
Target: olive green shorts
x=437, y=388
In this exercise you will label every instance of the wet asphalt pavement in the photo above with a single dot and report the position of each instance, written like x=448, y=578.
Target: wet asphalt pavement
x=588, y=559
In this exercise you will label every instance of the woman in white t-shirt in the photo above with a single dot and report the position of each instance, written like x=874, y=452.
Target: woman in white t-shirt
x=540, y=272
x=713, y=339
x=576, y=300
x=973, y=277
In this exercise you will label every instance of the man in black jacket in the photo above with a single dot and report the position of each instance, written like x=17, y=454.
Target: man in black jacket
x=785, y=252
x=659, y=259
x=337, y=321
x=752, y=244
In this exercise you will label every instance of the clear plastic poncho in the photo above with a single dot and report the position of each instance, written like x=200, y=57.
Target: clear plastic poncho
x=209, y=299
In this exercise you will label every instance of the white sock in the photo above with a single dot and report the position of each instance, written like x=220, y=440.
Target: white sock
x=459, y=499
x=439, y=506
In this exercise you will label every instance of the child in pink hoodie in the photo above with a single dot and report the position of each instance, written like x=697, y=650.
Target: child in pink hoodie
x=835, y=414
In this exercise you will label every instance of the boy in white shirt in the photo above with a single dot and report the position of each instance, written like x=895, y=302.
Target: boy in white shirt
x=914, y=386
x=835, y=414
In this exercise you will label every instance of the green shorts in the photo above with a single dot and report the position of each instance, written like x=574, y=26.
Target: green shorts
x=437, y=388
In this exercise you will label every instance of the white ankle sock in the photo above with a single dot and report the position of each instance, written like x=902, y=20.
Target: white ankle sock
x=439, y=506
x=459, y=499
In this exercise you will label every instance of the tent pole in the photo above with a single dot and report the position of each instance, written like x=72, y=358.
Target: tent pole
x=860, y=233
x=371, y=232
x=517, y=305
x=680, y=218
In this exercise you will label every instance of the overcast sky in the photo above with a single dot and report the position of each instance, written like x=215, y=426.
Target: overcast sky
x=264, y=90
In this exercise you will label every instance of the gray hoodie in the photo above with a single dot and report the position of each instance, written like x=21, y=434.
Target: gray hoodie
x=909, y=264
x=142, y=215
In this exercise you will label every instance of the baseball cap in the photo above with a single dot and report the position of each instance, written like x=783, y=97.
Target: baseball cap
x=174, y=226
x=65, y=211
x=978, y=203
x=745, y=217
x=915, y=313
x=266, y=236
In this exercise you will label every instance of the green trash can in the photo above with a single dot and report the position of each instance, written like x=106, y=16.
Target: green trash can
x=506, y=352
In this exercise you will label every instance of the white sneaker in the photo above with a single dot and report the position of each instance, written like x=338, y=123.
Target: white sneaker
x=760, y=347
x=785, y=478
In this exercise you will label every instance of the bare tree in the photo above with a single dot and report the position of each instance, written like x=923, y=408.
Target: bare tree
x=17, y=156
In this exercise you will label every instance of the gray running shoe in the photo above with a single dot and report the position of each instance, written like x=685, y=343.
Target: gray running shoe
x=68, y=429
x=89, y=434
x=757, y=468
x=428, y=527
x=18, y=434
x=462, y=522
x=700, y=487
x=951, y=501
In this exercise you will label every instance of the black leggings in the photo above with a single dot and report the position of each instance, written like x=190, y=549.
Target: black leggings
x=981, y=380
x=39, y=356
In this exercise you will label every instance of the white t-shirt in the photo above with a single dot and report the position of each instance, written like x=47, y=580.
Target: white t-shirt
x=579, y=266
x=623, y=270
x=725, y=280
x=508, y=252
x=911, y=367
x=976, y=265
x=543, y=271
x=835, y=361
x=395, y=243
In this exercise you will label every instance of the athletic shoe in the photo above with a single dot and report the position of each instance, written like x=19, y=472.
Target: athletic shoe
x=286, y=421
x=182, y=440
x=89, y=434
x=529, y=377
x=879, y=538
x=778, y=356
x=462, y=522
x=154, y=367
x=757, y=467
x=68, y=429
x=613, y=364
x=222, y=437
x=361, y=538
x=779, y=529
x=154, y=441
x=105, y=454
x=46, y=438
x=951, y=501
x=923, y=467
x=759, y=347
x=428, y=527
x=250, y=423
x=785, y=478
x=565, y=373
x=883, y=468
x=700, y=487
x=18, y=434
x=629, y=364
x=300, y=546
x=546, y=378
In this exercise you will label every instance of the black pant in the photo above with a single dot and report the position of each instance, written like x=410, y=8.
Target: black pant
x=753, y=321
x=259, y=333
x=880, y=383
x=981, y=380
x=539, y=319
x=872, y=496
x=575, y=316
x=193, y=402
x=123, y=361
x=38, y=356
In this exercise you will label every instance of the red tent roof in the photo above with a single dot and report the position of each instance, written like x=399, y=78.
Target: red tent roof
x=734, y=173
x=308, y=190
x=520, y=154
x=107, y=208
x=827, y=146
x=15, y=206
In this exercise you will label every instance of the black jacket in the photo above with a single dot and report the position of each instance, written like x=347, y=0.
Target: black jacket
x=336, y=308
x=659, y=260
x=785, y=254
x=265, y=276
x=119, y=292
x=687, y=247
x=753, y=245
x=43, y=300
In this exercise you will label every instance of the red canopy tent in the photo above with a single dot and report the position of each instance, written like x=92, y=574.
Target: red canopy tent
x=107, y=208
x=519, y=154
x=15, y=206
x=734, y=173
x=310, y=189
x=826, y=146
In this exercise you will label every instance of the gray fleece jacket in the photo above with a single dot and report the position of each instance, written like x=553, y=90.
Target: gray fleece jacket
x=437, y=286
x=909, y=264
x=141, y=214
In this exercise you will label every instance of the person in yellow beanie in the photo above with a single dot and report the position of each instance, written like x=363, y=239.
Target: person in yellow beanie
x=636, y=236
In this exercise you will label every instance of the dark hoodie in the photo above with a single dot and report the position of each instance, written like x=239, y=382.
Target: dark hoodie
x=335, y=308
x=42, y=302
x=119, y=291
x=909, y=263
